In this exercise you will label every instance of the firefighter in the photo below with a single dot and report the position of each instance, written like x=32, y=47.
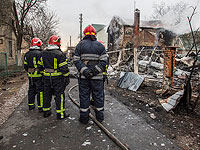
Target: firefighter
x=90, y=59
x=105, y=78
x=34, y=74
x=56, y=77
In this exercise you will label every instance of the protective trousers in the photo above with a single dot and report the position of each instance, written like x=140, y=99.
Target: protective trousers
x=57, y=89
x=35, y=88
x=96, y=87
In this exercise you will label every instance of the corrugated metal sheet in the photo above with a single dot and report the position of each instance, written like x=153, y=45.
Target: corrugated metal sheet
x=130, y=80
x=171, y=102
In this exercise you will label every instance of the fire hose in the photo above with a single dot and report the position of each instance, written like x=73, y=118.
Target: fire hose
x=106, y=131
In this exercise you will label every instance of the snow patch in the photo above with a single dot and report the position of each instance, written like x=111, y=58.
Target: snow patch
x=86, y=143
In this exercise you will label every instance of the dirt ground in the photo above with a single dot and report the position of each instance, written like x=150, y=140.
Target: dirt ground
x=178, y=125
x=181, y=127
x=11, y=93
x=11, y=84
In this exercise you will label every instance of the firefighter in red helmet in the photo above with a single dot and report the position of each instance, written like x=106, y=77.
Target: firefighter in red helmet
x=54, y=40
x=89, y=30
x=56, y=77
x=34, y=74
x=90, y=59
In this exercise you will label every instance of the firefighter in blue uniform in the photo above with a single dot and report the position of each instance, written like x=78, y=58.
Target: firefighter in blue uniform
x=55, y=77
x=91, y=59
x=34, y=74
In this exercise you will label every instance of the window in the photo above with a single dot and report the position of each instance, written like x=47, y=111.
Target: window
x=1, y=41
x=10, y=49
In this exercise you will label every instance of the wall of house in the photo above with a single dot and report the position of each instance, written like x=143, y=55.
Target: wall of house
x=8, y=44
x=128, y=37
x=146, y=38
x=115, y=34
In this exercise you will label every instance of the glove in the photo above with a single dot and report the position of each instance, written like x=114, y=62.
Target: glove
x=67, y=80
x=88, y=73
x=94, y=71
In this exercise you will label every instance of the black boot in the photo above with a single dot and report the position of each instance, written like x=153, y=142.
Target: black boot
x=59, y=117
x=99, y=116
x=83, y=121
x=47, y=114
x=31, y=107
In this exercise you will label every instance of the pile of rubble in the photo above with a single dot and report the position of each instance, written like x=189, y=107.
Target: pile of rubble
x=151, y=64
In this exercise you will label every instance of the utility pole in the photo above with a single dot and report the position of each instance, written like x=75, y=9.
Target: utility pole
x=70, y=41
x=136, y=38
x=81, y=24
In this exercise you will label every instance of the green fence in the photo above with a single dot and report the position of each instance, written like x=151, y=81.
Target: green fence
x=7, y=70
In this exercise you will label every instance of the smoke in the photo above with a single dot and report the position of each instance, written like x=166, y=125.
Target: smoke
x=176, y=19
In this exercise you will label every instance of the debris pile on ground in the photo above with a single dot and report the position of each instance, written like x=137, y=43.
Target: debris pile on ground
x=151, y=64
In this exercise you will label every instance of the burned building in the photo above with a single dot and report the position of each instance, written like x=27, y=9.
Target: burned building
x=120, y=33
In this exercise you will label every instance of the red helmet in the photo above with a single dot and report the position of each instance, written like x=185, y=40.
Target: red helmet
x=54, y=40
x=36, y=42
x=89, y=30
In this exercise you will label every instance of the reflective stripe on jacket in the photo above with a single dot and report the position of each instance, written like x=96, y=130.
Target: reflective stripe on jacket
x=89, y=50
x=30, y=61
x=53, y=59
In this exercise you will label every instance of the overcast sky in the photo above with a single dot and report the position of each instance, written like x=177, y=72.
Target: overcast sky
x=99, y=11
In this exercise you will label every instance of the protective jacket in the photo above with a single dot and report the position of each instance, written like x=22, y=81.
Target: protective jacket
x=53, y=62
x=30, y=62
x=35, y=77
x=89, y=54
x=55, y=71
x=90, y=58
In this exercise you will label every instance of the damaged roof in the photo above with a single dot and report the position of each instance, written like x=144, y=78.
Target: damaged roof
x=143, y=24
x=98, y=27
x=151, y=24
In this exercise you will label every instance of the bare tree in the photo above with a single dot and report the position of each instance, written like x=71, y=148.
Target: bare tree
x=187, y=87
x=162, y=9
x=20, y=11
x=45, y=25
